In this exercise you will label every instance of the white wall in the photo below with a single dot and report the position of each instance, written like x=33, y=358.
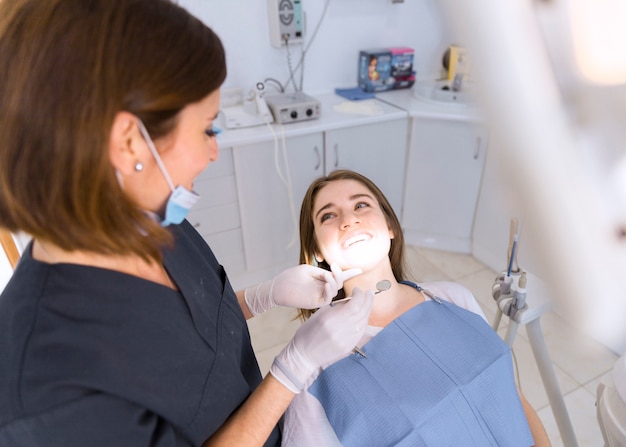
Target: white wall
x=349, y=26
x=499, y=202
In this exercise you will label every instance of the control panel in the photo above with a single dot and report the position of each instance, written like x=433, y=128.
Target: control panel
x=293, y=107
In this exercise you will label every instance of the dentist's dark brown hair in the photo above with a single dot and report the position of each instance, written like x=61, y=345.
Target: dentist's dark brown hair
x=67, y=67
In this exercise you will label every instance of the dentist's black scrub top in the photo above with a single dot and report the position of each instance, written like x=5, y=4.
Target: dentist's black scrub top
x=94, y=357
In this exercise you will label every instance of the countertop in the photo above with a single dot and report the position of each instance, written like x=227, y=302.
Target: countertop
x=373, y=111
x=417, y=106
x=338, y=112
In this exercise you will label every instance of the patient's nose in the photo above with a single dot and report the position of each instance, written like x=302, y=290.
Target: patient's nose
x=349, y=219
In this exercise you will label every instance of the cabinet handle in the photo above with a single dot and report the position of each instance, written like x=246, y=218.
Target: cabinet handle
x=336, y=154
x=319, y=157
x=479, y=141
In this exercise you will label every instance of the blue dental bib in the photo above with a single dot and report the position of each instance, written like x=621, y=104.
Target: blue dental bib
x=436, y=376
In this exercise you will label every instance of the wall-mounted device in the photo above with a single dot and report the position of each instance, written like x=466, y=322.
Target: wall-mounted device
x=293, y=107
x=286, y=22
x=245, y=111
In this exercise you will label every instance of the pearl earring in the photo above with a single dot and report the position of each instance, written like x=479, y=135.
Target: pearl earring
x=138, y=166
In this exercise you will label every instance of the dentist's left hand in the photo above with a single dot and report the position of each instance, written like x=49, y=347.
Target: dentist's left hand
x=303, y=286
x=330, y=334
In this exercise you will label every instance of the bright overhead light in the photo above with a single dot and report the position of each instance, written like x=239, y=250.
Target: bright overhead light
x=599, y=37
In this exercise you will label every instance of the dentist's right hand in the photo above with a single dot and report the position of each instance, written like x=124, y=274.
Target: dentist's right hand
x=330, y=334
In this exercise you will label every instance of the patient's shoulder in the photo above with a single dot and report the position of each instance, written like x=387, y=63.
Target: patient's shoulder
x=454, y=293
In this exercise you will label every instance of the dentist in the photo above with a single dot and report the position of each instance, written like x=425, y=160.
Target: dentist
x=119, y=326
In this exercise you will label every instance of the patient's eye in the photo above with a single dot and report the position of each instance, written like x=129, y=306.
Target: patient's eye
x=325, y=217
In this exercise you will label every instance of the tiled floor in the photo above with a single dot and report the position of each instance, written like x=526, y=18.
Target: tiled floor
x=579, y=363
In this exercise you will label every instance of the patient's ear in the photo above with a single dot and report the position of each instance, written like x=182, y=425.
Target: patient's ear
x=126, y=145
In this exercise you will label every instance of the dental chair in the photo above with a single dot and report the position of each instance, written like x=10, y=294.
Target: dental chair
x=611, y=406
x=9, y=247
x=9, y=256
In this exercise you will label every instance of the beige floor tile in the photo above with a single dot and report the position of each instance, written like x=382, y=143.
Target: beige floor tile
x=266, y=357
x=420, y=269
x=453, y=265
x=592, y=386
x=275, y=327
x=480, y=284
x=582, y=413
x=529, y=378
x=579, y=356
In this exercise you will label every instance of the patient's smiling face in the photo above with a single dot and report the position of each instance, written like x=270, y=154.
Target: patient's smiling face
x=350, y=227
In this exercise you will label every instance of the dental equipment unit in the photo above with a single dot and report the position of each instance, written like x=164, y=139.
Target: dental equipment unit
x=510, y=293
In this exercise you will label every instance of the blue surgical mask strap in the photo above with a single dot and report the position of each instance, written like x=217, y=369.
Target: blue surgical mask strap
x=181, y=199
x=156, y=155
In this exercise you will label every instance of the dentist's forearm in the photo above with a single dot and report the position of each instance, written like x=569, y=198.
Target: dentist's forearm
x=244, y=306
x=253, y=422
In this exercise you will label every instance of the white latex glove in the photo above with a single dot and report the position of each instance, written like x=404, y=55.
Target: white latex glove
x=331, y=333
x=303, y=286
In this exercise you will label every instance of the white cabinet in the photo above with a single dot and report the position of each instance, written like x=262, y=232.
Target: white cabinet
x=445, y=164
x=377, y=151
x=270, y=210
x=269, y=206
x=216, y=215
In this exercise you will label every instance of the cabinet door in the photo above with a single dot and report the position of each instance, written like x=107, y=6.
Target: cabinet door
x=445, y=165
x=377, y=151
x=216, y=215
x=269, y=207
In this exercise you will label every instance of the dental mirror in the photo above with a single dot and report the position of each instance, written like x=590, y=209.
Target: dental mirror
x=382, y=285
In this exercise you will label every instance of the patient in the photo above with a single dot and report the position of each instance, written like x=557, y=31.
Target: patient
x=429, y=371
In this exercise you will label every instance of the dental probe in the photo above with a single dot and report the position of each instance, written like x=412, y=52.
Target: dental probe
x=513, y=249
x=356, y=350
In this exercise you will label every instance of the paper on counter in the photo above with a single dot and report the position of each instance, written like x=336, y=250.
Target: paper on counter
x=367, y=107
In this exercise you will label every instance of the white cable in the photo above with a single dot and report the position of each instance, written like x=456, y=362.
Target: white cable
x=302, y=72
x=301, y=61
x=286, y=180
x=292, y=206
x=291, y=70
x=277, y=82
x=276, y=164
